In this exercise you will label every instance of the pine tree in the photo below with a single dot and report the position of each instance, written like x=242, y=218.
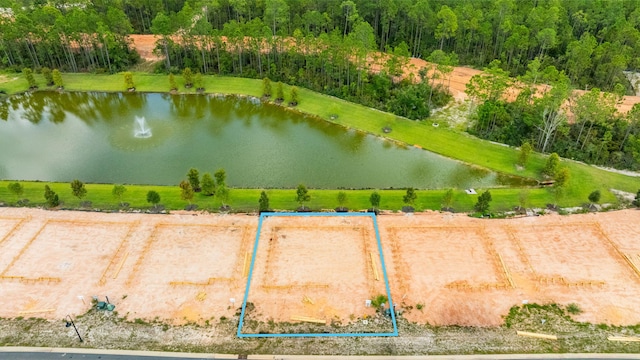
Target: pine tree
x=523, y=155
x=279, y=92
x=46, y=72
x=194, y=179
x=117, y=191
x=78, y=189
x=374, y=199
x=51, y=197
x=16, y=188
x=57, y=79
x=208, y=185
x=186, y=191
x=484, y=200
x=128, y=81
x=153, y=197
x=294, y=96
x=173, y=86
x=188, y=77
x=28, y=74
x=266, y=87
x=199, y=82
x=302, y=195
x=410, y=197
x=551, y=167
x=263, y=203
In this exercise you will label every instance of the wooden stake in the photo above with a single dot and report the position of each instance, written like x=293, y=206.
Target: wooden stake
x=537, y=335
x=247, y=263
x=374, y=267
x=623, y=338
x=308, y=319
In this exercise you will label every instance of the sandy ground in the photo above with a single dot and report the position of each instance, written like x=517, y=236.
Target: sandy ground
x=319, y=268
x=192, y=267
x=145, y=44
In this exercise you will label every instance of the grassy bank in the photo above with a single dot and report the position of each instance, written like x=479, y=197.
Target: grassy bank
x=584, y=179
x=246, y=200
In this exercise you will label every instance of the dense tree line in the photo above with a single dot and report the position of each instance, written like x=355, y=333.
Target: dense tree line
x=332, y=64
x=593, y=41
x=74, y=38
x=583, y=126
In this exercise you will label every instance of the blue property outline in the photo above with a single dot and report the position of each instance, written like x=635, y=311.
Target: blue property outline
x=318, y=214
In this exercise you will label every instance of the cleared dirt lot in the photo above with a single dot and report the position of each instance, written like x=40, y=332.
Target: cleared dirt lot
x=188, y=267
x=320, y=268
x=471, y=271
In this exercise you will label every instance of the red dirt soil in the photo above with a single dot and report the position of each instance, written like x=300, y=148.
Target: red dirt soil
x=189, y=267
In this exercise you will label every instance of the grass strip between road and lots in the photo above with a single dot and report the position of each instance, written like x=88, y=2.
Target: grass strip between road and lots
x=457, y=145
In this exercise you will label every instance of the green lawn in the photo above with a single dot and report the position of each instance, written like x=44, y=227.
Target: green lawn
x=457, y=145
x=247, y=199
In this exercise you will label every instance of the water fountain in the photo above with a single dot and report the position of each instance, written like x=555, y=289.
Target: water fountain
x=141, y=131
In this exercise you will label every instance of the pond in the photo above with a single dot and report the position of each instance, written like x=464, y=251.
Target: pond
x=138, y=138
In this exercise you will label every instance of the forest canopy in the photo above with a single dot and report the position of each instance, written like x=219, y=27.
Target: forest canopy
x=593, y=41
x=356, y=50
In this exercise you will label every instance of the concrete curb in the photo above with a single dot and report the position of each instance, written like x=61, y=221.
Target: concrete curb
x=118, y=352
x=313, y=357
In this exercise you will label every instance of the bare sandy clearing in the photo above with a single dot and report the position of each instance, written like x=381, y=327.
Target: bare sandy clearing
x=187, y=267
x=323, y=268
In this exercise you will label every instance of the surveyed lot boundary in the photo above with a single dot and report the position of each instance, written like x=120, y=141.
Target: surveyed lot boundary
x=258, y=252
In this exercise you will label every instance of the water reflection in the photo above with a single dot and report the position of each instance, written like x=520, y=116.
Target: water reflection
x=260, y=145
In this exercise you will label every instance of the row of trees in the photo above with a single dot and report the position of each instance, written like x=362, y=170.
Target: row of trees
x=550, y=117
x=75, y=37
x=338, y=65
x=218, y=187
x=593, y=41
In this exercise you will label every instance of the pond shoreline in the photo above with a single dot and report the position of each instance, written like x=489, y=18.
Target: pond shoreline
x=467, y=149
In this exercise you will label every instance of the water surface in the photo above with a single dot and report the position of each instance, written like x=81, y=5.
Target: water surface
x=90, y=136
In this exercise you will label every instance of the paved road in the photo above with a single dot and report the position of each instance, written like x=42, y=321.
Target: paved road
x=95, y=354
x=61, y=356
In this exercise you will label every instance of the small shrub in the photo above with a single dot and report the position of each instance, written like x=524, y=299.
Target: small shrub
x=482, y=206
x=574, y=309
x=294, y=96
x=419, y=306
x=173, y=86
x=51, y=197
x=28, y=74
x=377, y=301
x=57, y=78
x=266, y=87
x=279, y=92
x=263, y=202
x=128, y=81
x=552, y=165
x=46, y=72
x=153, y=197
x=188, y=77
x=199, y=82
x=16, y=188
x=523, y=155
